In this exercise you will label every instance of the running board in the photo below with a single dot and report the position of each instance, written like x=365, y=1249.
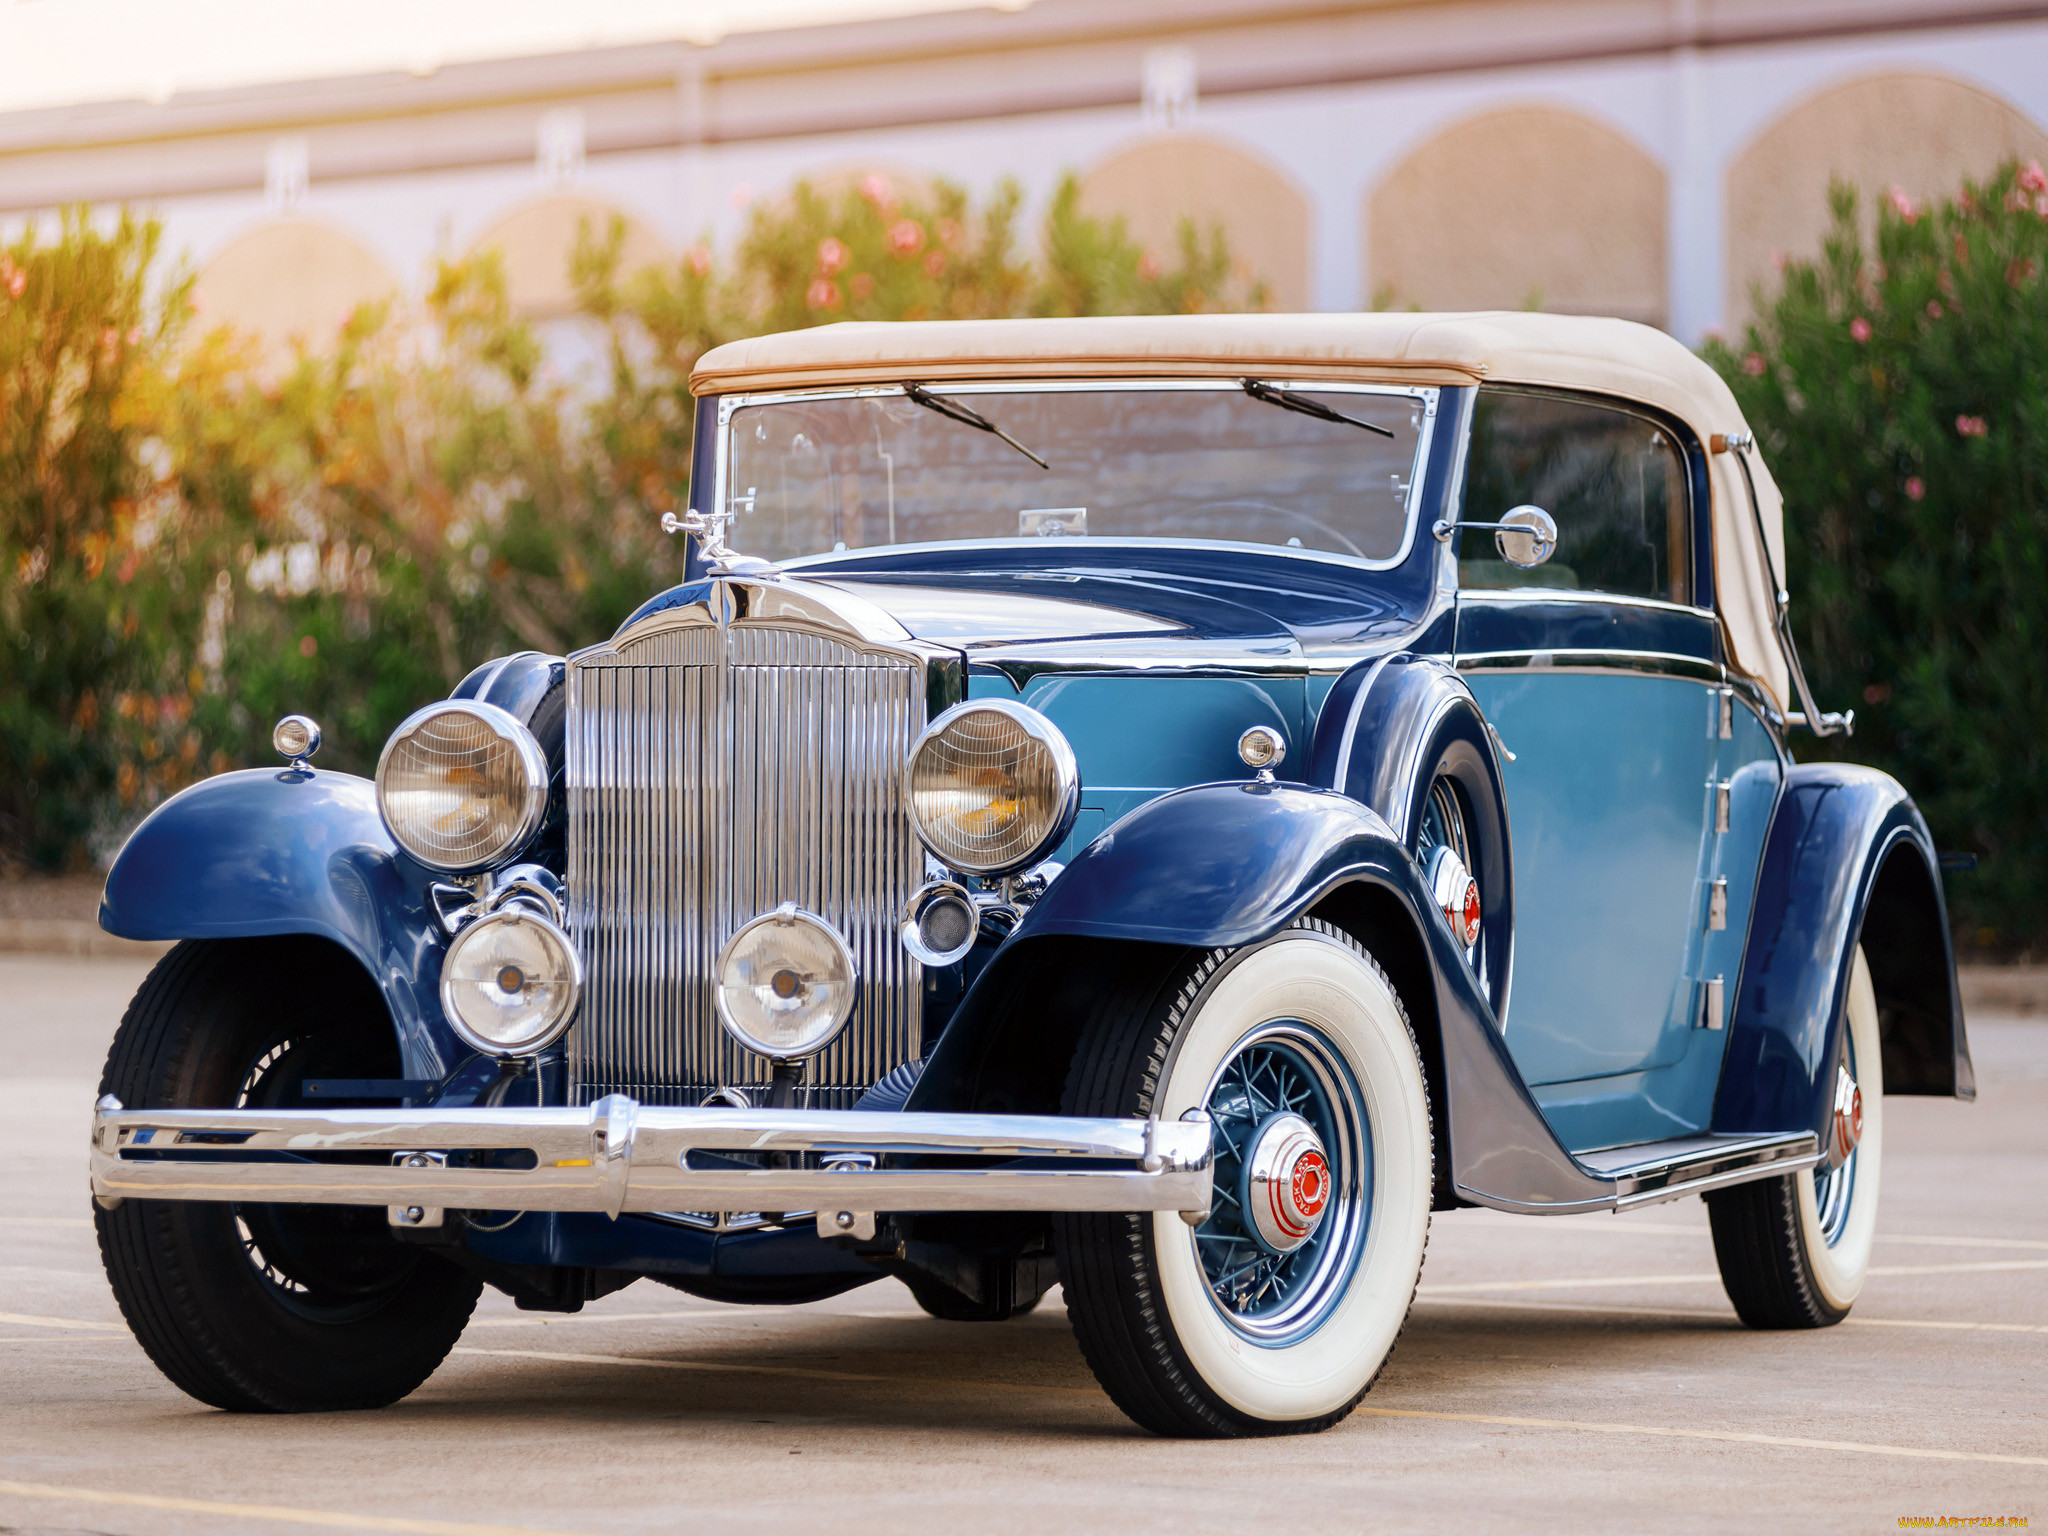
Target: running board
x=1691, y=1165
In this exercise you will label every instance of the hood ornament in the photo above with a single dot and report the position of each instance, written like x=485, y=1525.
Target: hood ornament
x=720, y=559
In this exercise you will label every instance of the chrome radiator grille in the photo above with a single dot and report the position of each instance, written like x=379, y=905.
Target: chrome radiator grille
x=702, y=794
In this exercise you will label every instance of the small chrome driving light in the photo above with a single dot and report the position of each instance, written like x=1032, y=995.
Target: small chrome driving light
x=939, y=923
x=463, y=786
x=786, y=984
x=511, y=983
x=296, y=738
x=993, y=787
x=1262, y=748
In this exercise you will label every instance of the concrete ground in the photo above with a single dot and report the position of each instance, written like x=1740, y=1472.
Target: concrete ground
x=1573, y=1374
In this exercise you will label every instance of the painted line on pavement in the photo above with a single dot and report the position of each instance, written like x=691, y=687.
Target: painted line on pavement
x=1597, y=1308
x=800, y=1372
x=29, y=1320
x=1589, y=1282
x=1725, y=1436
x=1794, y=1442
x=284, y=1512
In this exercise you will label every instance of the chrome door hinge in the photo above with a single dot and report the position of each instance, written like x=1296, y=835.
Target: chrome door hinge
x=1717, y=905
x=1723, y=794
x=1725, y=707
x=1713, y=1004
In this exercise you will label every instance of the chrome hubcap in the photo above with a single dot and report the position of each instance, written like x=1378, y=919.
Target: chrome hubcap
x=1287, y=1182
x=1834, y=1182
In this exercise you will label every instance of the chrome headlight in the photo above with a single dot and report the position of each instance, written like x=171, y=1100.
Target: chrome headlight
x=511, y=983
x=786, y=984
x=462, y=786
x=992, y=787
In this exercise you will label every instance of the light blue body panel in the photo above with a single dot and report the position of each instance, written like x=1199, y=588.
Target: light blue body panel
x=1136, y=737
x=263, y=852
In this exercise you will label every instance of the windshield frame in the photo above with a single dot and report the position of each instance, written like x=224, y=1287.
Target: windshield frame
x=1428, y=397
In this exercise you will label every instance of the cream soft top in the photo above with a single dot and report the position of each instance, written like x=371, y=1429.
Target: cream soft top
x=1608, y=357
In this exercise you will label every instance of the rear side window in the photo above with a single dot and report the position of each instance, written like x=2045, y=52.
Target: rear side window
x=1615, y=481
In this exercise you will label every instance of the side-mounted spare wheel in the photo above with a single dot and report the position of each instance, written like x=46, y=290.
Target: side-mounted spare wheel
x=1277, y=1312
x=268, y=1308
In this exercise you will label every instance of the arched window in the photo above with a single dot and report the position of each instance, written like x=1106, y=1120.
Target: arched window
x=537, y=241
x=294, y=280
x=1523, y=208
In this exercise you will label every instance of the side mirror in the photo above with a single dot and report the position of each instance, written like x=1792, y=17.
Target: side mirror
x=1526, y=537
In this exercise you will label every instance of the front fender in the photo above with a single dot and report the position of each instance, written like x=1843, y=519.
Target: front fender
x=265, y=852
x=1847, y=856
x=1223, y=865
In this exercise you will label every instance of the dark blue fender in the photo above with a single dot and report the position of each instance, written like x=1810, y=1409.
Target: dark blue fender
x=1221, y=865
x=1848, y=861
x=1390, y=727
x=269, y=851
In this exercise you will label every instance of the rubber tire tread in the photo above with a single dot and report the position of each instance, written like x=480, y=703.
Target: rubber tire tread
x=1760, y=1246
x=1112, y=1294
x=145, y=1253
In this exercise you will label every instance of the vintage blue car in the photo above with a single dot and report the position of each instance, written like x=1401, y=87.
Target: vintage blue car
x=1160, y=806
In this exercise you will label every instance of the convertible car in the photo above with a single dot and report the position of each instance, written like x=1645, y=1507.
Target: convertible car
x=1157, y=806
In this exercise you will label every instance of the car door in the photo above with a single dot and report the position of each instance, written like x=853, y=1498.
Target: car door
x=1599, y=670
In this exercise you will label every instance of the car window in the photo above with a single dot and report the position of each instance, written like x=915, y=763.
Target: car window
x=1615, y=481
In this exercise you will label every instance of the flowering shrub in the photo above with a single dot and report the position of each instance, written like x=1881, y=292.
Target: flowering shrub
x=1899, y=396
x=190, y=546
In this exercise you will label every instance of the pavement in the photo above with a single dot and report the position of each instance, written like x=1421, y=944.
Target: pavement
x=1581, y=1374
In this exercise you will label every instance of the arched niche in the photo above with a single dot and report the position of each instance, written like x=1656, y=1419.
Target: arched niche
x=1157, y=183
x=1526, y=207
x=1924, y=133
x=536, y=241
x=293, y=280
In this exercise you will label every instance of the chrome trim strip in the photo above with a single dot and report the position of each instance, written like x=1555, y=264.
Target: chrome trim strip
x=618, y=1155
x=1651, y=663
x=1701, y=1163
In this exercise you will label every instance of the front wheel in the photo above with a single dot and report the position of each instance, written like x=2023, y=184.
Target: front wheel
x=1794, y=1251
x=268, y=1308
x=1275, y=1315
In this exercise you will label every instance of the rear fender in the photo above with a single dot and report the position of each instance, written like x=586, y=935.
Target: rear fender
x=265, y=852
x=1223, y=865
x=1848, y=860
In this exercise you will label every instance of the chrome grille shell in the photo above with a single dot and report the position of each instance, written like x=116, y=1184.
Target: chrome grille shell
x=724, y=757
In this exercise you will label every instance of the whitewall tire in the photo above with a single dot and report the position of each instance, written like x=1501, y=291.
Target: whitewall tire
x=1794, y=1251
x=1277, y=1313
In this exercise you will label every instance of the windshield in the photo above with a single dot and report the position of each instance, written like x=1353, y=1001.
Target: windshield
x=812, y=474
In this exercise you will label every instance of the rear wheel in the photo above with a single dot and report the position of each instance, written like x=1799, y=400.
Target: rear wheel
x=268, y=1308
x=1276, y=1313
x=1794, y=1251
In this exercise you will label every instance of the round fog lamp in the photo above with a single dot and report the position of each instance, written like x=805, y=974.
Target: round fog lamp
x=786, y=984
x=510, y=983
x=939, y=923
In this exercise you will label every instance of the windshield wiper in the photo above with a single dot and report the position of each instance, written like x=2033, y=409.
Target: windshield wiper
x=1288, y=400
x=967, y=416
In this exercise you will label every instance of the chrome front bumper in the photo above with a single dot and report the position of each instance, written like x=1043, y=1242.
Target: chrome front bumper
x=619, y=1155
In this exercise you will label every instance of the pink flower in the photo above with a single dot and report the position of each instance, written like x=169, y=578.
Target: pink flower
x=1916, y=488
x=1934, y=309
x=832, y=254
x=1902, y=205
x=1859, y=328
x=949, y=232
x=698, y=259
x=935, y=263
x=1754, y=365
x=1148, y=266
x=1972, y=426
x=2033, y=178
x=823, y=294
x=876, y=189
x=16, y=279
x=906, y=237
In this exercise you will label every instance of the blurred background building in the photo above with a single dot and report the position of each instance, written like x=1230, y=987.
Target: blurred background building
x=1648, y=158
